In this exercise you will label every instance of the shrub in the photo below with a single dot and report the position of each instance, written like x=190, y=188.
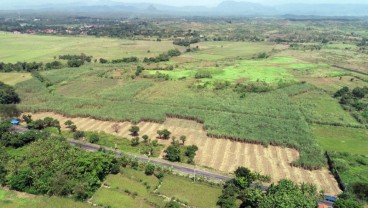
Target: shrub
x=8, y=94
x=203, y=74
x=103, y=61
x=75, y=63
x=150, y=169
x=78, y=134
x=94, y=138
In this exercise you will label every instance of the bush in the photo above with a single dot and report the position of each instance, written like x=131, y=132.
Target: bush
x=78, y=135
x=172, y=204
x=94, y=138
x=203, y=74
x=174, y=52
x=135, y=141
x=150, y=169
x=103, y=61
x=347, y=203
x=75, y=63
x=173, y=154
x=8, y=94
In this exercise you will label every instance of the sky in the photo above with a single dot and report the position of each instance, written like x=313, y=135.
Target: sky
x=184, y=2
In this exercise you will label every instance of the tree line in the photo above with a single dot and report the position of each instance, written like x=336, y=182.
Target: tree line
x=354, y=101
x=50, y=165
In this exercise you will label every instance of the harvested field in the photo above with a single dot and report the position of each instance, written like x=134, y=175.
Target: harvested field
x=220, y=154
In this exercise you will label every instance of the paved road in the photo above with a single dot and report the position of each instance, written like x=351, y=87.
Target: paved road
x=174, y=166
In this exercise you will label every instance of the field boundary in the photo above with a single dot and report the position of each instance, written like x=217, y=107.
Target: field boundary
x=351, y=70
x=335, y=172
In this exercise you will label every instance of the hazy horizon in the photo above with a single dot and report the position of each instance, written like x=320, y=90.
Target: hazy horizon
x=208, y=3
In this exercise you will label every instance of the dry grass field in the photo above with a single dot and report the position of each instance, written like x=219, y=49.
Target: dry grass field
x=12, y=78
x=220, y=154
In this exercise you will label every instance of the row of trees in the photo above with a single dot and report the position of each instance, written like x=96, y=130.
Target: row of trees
x=186, y=42
x=33, y=66
x=83, y=57
x=246, y=187
x=354, y=101
x=20, y=66
x=162, y=57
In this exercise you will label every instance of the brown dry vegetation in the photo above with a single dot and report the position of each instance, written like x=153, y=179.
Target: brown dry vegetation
x=221, y=154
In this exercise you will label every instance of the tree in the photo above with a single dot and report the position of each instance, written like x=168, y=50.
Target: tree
x=75, y=63
x=68, y=123
x=145, y=138
x=73, y=128
x=288, y=194
x=174, y=52
x=173, y=154
x=135, y=141
x=78, y=135
x=347, y=203
x=359, y=92
x=8, y=94
x=116, y=128
x=228, y=196
x=149, y=169
x=183, y=139
x=360, y=189
x=134, y=130
x=27, y=118
x=94, y=138
x=22, y=181
x=37, y=124
x=174, y=142
x=164, y=134
x=103, y=61
x=191, y=153
x=172, y=204
x=251, y=197
x=342, y=92
x=155, y=143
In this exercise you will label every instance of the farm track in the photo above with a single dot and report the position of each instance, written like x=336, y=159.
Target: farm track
x=348, y=69
x=219, y=154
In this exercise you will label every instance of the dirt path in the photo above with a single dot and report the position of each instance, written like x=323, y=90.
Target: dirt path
x=220, y=154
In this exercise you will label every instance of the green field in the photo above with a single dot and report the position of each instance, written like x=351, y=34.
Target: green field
x=279, y=116
x=265, y=81
x=13, y=199
x=43, y=48
x=319, y=107
x=342, y=139
x=196, y=194
x=133, y=188
x=352, y=168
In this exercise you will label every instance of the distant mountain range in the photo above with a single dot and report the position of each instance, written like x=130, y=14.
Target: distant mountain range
x=226, y=8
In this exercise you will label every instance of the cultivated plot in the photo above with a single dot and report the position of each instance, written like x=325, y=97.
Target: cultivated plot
x=220, y=154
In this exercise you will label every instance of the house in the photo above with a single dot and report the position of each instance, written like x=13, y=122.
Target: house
x=15, y=122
